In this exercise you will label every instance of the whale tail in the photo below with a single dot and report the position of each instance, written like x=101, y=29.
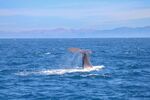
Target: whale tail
x=74, y=50
x=85, y=56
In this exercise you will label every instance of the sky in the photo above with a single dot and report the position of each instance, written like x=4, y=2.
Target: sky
x=22, y=15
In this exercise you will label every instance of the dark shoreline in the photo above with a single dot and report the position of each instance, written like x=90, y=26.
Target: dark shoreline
x=75, y=38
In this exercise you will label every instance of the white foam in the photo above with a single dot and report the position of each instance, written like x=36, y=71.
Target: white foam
x=47, y=53
x=62, y=71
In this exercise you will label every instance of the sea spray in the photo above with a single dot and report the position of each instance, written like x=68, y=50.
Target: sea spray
x=60, y=71
x=70, y=60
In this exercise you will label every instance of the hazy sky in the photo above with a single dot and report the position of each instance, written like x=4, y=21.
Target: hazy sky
x=73, y=14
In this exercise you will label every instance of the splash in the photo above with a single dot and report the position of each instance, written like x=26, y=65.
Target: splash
x=61, y=71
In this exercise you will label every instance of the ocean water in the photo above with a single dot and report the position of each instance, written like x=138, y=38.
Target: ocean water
x=43, y=69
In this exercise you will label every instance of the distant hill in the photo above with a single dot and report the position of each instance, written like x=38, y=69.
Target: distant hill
x=122, y=32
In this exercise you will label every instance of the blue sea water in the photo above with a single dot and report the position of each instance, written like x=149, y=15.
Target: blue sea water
x=27, y=69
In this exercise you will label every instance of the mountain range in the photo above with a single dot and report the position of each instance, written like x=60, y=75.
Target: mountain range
x=121, y=32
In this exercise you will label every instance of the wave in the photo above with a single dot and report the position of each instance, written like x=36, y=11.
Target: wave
x=47, y=53
x=61, y=71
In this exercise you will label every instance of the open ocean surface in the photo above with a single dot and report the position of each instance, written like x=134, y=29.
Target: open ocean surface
x=43, y=69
